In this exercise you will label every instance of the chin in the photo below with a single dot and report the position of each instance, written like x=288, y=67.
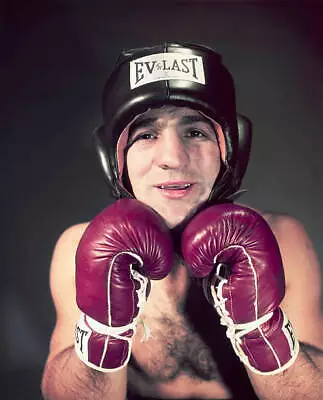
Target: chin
x=172, y=222
x=174, y=216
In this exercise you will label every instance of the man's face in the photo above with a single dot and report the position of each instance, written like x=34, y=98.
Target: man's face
x=173, y=160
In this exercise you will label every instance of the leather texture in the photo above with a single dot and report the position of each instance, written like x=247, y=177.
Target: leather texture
x=215, y=98
x=234, y=250
x=123, y=247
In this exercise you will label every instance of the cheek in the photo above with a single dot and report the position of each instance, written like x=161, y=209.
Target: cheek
x=209, y=163
x=132, y=166
x=137, y=165
x=213, y=166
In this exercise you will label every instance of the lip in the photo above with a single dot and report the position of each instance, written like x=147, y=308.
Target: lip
x=175, y=193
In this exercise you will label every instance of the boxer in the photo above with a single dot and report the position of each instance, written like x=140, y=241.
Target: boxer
x=176, y=291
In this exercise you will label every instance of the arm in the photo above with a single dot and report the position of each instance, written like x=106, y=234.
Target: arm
x=302, y=304
x=122, y=248
x=65, y=376
x=250, y=297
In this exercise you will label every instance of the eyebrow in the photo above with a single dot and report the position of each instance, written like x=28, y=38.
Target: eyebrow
x=143, y=122
x=189, y=119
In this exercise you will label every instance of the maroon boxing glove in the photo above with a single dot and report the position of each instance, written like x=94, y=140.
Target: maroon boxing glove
x=235, y=251
x=123, y=247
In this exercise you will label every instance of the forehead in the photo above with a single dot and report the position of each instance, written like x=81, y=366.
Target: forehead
x=164, y=114
x=169, y=112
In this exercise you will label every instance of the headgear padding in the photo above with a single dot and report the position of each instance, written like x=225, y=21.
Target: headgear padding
x=185, y=75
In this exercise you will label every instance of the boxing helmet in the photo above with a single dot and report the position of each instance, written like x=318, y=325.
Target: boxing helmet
x=185, y=75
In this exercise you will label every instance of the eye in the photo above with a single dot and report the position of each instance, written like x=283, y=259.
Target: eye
x=196, y=133
x=141, y=137
x=145, y=136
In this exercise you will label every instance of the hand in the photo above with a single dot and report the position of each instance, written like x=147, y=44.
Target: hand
x=125, y=246
x=236, y=253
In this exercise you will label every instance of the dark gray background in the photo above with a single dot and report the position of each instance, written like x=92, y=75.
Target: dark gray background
x=55, y=58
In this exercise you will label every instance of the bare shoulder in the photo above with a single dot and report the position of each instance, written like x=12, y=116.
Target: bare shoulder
x=69, y=239
x=287, y=229
x=62, y=286
x=296, y=247
x=63, y=262
x=302, y=301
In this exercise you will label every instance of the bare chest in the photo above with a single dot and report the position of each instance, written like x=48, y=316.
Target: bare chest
x=171, y=357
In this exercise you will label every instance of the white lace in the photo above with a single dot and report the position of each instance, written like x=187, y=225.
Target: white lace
x=116, y=332
x=119, y=332
x=139, y=259
x=141, y=292
x=234, y=331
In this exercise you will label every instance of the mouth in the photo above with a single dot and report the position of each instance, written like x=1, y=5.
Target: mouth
x=175, y=189
x=175, y=186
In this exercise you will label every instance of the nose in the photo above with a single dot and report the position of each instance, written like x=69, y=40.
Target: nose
x=171, y=152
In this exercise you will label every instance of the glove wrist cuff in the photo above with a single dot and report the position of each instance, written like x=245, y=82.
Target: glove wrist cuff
x=101, y=347
x=244, y=329
x=115, y=331
x=271, y=348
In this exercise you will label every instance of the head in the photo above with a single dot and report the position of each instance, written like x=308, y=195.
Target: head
x=172, y=160
x=171, y=136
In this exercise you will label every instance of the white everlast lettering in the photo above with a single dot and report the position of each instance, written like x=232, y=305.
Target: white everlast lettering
x=193, y=61
x=139, y=74
x=175, y=66
x=184, y=65
x=79, y=335
x=166, y=66
x=150, y=66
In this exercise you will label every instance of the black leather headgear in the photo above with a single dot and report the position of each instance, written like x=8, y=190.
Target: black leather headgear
x=186, y=75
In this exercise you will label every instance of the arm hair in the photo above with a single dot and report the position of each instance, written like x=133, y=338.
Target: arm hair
x=67, y=378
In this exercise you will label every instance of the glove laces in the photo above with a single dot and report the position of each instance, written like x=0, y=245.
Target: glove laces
x=234, y=332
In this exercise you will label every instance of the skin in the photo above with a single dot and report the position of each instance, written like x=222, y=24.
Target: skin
x=168, y=146
x=164, y=150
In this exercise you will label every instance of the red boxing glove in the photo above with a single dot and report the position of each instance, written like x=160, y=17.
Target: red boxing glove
x=235, y=251
x=122, y=248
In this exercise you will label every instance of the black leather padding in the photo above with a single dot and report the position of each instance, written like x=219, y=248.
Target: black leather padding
x=122, y=101
x=244, y=147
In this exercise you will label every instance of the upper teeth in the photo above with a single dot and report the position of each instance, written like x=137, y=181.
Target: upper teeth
x=186, y=185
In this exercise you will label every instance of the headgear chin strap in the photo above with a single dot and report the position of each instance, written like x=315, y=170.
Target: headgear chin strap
x=184, y=75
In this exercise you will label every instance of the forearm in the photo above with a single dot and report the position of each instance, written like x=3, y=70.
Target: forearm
x=66, y=377
x=303, y=380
